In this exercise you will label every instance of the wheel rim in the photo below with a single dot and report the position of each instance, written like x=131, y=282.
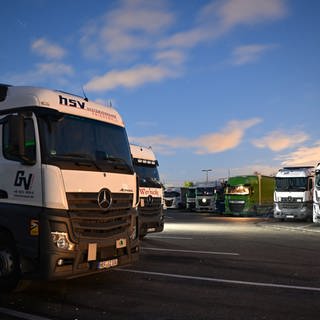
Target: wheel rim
x=6, y=263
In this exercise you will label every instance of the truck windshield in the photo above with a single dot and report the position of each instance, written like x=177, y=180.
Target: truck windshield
x=171, y=194
x=148, y=175
x=77, y=143
x=317, y=179
x=240, y=189
x=292, y=184
x=205, y=191
x=191, y=193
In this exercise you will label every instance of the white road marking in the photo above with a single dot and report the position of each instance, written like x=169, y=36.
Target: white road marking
x=20, y=315
x=168, y=237
x=247, y=283
x=192, y=251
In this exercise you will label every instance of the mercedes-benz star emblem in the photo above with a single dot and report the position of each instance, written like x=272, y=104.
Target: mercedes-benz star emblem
x=149, y=200
x=104, y=199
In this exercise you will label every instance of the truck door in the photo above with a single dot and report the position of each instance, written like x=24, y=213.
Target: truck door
x=20, y=172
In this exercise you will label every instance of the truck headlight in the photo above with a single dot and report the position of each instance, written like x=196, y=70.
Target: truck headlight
x=61, y=240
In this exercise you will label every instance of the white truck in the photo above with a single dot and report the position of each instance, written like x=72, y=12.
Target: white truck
x=206, y=197
x=175, y=197
x=151, y=213
x=293, y=196
x=316, y=196
x=68, y=190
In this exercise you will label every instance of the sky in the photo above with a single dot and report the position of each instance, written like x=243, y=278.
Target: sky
x=227, y=85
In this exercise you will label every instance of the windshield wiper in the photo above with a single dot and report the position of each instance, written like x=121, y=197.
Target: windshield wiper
x=119, y=163
x=79, y=159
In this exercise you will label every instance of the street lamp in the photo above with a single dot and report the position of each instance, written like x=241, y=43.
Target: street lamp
x=207, y=174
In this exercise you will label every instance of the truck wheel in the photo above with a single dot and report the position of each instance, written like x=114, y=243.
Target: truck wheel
x=9, y=264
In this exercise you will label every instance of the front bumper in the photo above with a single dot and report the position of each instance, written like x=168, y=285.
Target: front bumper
x=301, y=213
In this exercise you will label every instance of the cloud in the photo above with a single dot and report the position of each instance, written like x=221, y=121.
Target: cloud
x=302, y=156
x=219, y=17
x=139, y=30
x=228, y=138
x=248, y=53
x=278, y=140
x=43, y=71
x=131, y=26
x=130, y=78
x=46, y=49
x=235, y=12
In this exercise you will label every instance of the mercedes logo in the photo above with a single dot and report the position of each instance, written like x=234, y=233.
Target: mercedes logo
x=104, y=199
x=149, y=200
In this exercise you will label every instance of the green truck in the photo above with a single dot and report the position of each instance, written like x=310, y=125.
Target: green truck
x=249, y=195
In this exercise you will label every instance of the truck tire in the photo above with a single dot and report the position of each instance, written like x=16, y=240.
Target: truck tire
x=9, y=264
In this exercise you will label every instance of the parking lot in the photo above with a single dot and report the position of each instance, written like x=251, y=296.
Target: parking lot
x=202, y=266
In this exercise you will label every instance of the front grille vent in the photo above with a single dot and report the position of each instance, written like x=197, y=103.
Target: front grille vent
x=91, y=221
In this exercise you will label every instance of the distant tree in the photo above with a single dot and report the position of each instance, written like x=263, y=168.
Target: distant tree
x=188, y=184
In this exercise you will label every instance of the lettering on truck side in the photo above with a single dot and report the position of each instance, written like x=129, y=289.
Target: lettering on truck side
x=149, y=191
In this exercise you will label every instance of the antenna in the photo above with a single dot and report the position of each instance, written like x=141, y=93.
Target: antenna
x=84, y=94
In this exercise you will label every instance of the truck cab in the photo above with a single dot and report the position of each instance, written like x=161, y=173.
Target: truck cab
x=316, y=196
x=151, y=211
x=68, y=190
x=293, y=196
x=206, y=198
x=175, y=197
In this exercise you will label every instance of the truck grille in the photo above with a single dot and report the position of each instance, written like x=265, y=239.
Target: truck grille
x=204, y=204
x=236, y=207
x=290, y=203
x=152, y=208
x=89, y=220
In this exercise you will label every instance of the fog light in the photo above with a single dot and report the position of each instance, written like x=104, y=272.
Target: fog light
x=60, y=262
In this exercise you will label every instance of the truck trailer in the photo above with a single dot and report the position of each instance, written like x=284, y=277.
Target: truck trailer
x=249, y=195
x=68, y=190
x=151, y=211
x=293, y=198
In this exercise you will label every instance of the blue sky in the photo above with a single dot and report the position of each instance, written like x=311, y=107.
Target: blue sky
x=227, y=85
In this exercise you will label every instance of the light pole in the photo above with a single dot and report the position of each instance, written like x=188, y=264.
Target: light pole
x=207, y=174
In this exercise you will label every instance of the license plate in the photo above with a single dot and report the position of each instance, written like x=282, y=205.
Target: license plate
x=151, y=229
x=121, y=243
x=107, y=264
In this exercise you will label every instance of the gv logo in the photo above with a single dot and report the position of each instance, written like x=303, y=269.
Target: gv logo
x=22, y=180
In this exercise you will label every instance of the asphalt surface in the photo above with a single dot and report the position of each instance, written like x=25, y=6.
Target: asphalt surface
x=202, y=266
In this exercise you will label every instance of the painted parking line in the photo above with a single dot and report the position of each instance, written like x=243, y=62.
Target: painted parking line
x=207, y=279
x=169, y=237
x=192, y=251
x=20, y=315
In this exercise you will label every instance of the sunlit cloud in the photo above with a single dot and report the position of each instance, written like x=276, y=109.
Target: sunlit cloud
x=129, y=78
x=228, y=138
x=278, y=140
x=47, y=49
x=248, y=53
x=302, y=156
